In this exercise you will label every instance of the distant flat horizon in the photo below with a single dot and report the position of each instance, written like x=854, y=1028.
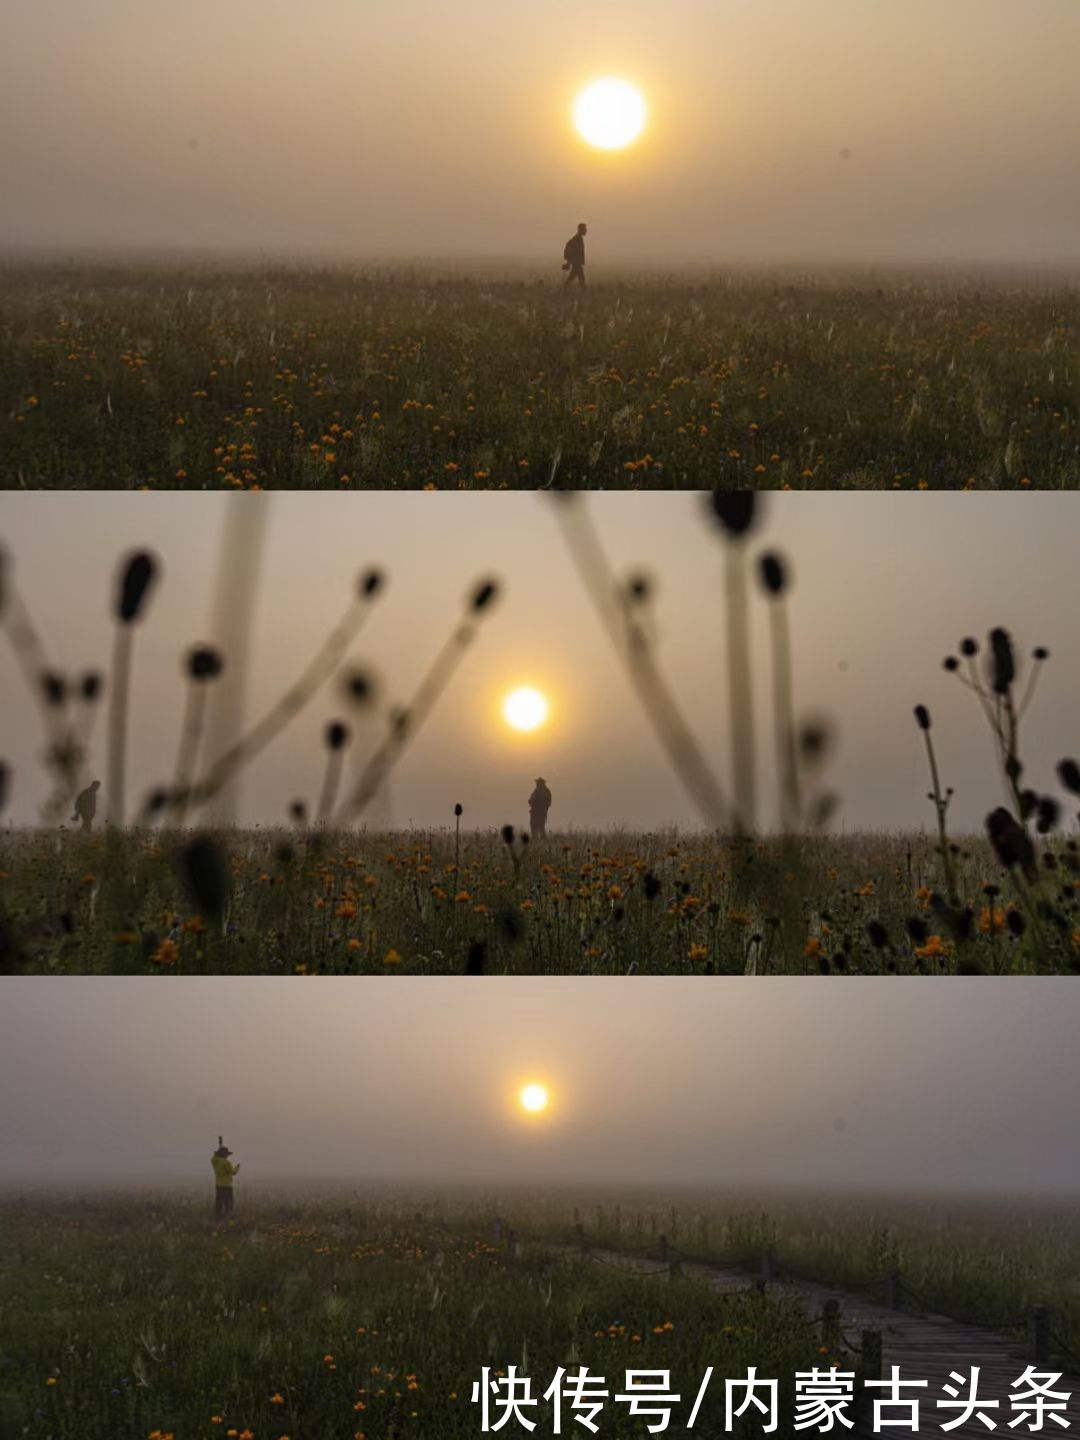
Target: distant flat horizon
x=537, y=264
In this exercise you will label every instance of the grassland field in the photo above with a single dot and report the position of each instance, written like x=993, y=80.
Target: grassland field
x=219, y=377
x=321, y=902
x=132, y=1316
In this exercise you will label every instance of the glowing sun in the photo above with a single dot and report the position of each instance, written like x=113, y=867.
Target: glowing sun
x=525, y=709
x=610, y=113
x=534, y=1098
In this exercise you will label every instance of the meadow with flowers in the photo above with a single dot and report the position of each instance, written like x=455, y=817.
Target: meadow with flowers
x=225, y=378
x=156, y=889
x=138, y=1317
x=306, y=902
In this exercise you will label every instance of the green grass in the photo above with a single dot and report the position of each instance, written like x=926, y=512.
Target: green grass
x=360, y=903
x=984, y=1260
x=147, y=1316
x=216, y=378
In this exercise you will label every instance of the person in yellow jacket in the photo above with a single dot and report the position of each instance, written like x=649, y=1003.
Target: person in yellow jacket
x=224, y=1170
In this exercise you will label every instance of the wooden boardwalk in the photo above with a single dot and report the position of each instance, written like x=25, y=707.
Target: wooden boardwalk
x=925, y=1346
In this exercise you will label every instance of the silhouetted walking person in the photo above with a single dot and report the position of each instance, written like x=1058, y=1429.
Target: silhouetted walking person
x=574, y=255
x=224, y=1170
x=86, y=806
x=539, y=805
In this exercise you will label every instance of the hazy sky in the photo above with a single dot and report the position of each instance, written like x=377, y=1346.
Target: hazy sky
x=951, y=1083
x=885, y=586
x=779, y=129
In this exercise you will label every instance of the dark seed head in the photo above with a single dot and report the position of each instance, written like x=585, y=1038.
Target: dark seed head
x=507, y=833
x=879, y=936
x=5, y=783
x=298, y=812
x=651, y=886
x=510, y=924
x=204, y=663
x=1002, y=661
x=969, y=647
x=371, y=582
x=1069, y=775
x=53, y=689
x=1040, y=653
x=813, y=740
x=337, y=735
x=950, y=663
x=1011, y=842
x=359, y=687
x=459, y=810
x=484, y=595
x=204, y=873
x=137, y=576
x=1048, y=815
x=734, y=511
x=90, y=686
x=774, y=575
x=639, y=589
x=922, y=717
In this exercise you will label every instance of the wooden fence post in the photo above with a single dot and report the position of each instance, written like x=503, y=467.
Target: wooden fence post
x=869, y=1369
x=830, y=1323
x=894, y=1290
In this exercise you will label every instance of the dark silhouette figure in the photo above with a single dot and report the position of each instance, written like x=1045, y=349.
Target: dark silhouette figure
x=86, y=806
x=539, y=805
x=574, y=255
x=224, y=1170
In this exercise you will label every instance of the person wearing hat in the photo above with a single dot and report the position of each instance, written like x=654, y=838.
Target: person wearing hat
x=539, y=805
x=224, y=1170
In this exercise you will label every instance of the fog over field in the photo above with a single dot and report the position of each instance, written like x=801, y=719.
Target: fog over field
x=963, y=1087
x=883, y=587
x=810, y=130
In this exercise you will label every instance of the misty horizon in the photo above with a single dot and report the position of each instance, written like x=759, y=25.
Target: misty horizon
x=741, y=1085
x=822, y=130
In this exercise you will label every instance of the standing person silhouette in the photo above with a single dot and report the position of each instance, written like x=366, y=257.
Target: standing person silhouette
x=539, y=805
x=224, y=1170
x=574, y=255
x=86, y=806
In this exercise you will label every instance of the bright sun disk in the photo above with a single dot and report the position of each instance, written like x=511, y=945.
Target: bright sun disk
x=610, y=113
x=525, y=709
x=534, y=1098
